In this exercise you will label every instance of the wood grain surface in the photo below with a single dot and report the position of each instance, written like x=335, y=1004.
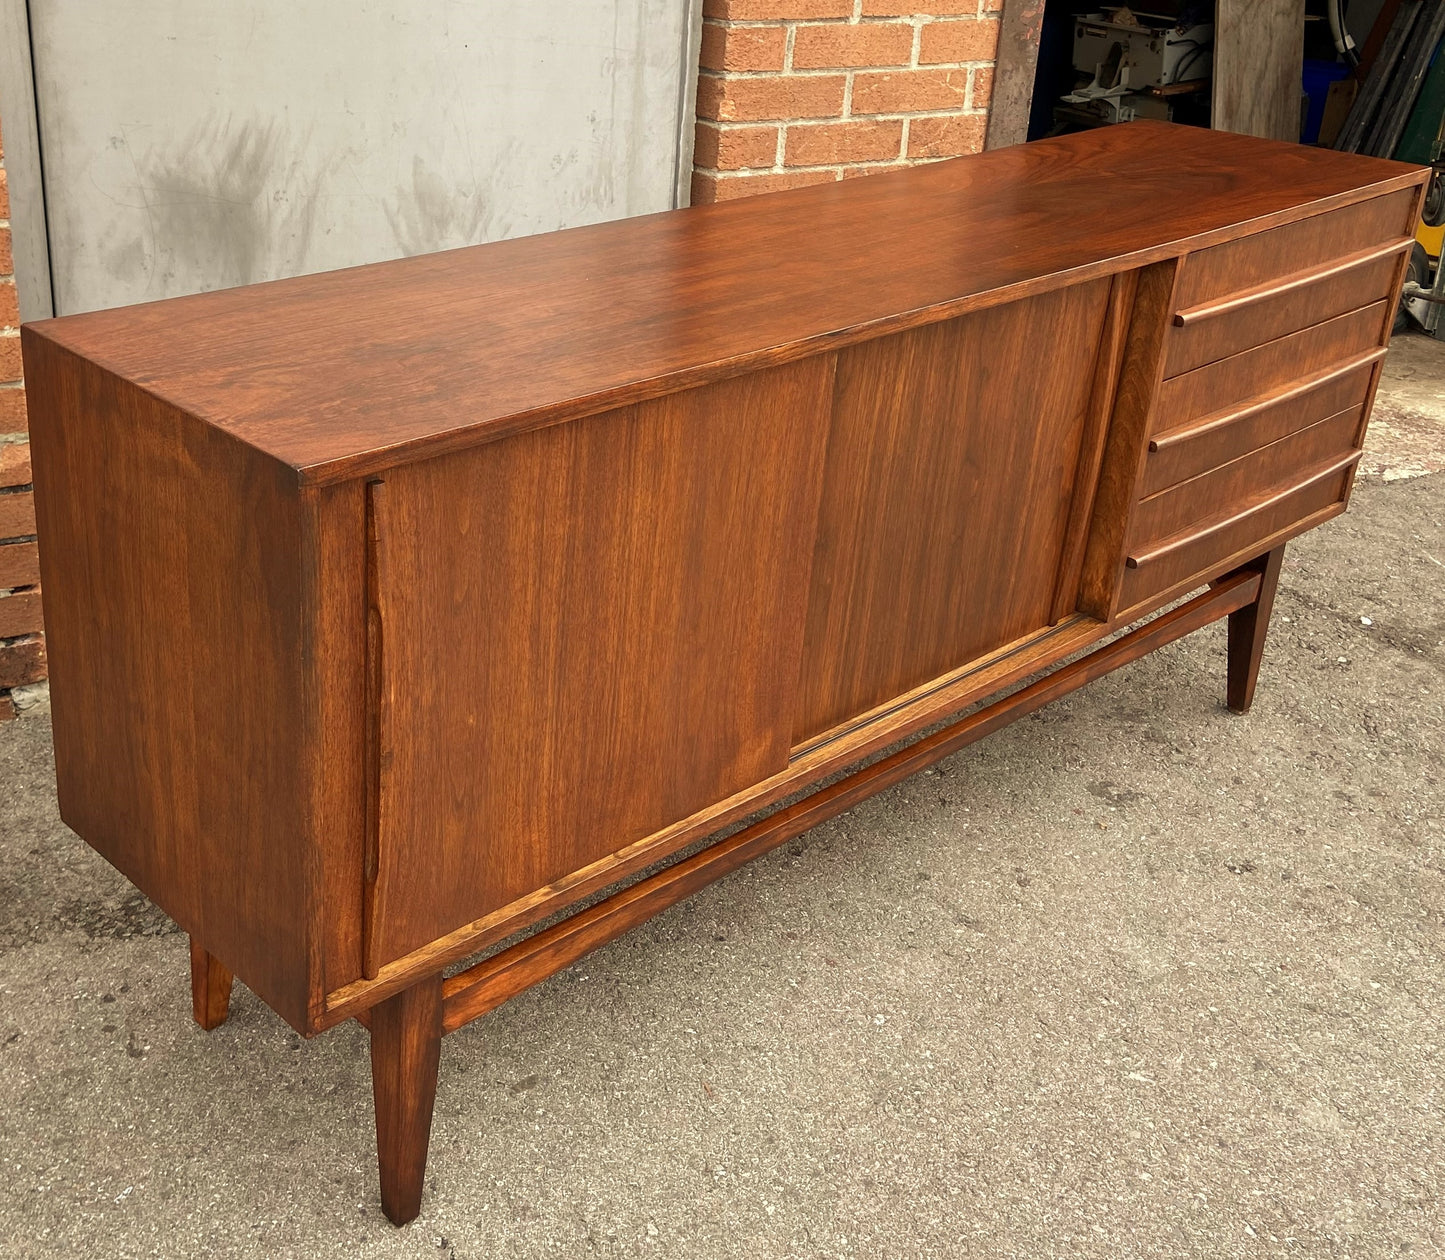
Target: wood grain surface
x=945, y=496
x=170, y=554
x=1206, y=334
x=1248, y=627
x=1274, y=366
x=1190, y=450
x=590, y=632
x=1258, y=60
x=406, y=1036
x=1259, y=257
x=437, y=595
x=396, y=610
x=491, y=982
x=347, y=373
x=1236, y=533
x=210, y=989
x=1135, y=399
x=1243, y=479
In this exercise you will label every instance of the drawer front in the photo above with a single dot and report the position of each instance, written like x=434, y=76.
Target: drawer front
x=1251, y=261
x=1186, y=452
x=1222, y=491
x=1269, y=370
x=1226, y=326
x=1253, y=527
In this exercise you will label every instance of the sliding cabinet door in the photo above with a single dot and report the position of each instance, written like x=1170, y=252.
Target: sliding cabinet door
x=583, y=634
x=950, y=474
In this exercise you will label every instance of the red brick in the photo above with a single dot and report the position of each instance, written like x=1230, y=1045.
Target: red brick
x=7, y=707
x=968, y=40
x=917, y=8
x=7, y=254
x=776, y=10
x=708, y=188
x=869, y=44
x=761, y=97
x=22, y=661
x=743, y=47
x=19, y=566
x=9, y=305
x=829, y=144
x=734, y=148
x=852, y=172
x=17, y=516
x=946, y=137
x=4, y=194
x=15, y=464
x=905, y=91
x=12, y=410
x=20, y=613
x=9, y=358
x=982, y=87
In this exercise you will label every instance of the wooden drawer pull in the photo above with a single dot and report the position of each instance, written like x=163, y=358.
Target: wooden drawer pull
x=1297, y=280
x=1222, y=419
x=1179, y=541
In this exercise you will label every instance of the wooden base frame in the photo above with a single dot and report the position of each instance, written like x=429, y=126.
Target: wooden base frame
x=407, y=1028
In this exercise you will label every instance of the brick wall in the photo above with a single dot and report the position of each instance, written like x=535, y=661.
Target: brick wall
x=22, y=646
x=797, y=92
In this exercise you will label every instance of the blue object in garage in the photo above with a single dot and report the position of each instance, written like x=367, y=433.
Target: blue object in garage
x=1318, y=77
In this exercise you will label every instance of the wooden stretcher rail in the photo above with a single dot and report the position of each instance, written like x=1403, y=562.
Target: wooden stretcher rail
x=488, y=984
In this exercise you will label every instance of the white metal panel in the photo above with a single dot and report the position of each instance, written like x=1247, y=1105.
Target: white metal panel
x=22, y=163
x=195, y=146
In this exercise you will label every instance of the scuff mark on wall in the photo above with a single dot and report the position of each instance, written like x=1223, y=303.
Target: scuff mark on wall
x=190, y=147
x=234, y=202
x=429, y=214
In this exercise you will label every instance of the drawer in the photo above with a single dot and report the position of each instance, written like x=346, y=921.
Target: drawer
x=1273, y=368
x=1217, y=439
x=1211, y=274
x=1224, y=326
x=1215, y=546
x=1222, y=491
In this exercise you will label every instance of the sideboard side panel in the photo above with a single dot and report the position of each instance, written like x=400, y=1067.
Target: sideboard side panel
x=587, y=632
x=951, y=464
x=170, y=558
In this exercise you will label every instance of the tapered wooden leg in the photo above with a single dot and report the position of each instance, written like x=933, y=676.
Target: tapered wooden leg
x=406, y=1038
x=210, y=989
x=1247, y=629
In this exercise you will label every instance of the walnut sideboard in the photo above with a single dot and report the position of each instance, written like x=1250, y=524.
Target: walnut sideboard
x=394, y=610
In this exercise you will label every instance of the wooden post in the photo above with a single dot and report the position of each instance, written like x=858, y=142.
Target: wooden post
x=210, y=989
x=1247, y=629
x=1258, y=63
x=406, y=1037
x=1020, y=26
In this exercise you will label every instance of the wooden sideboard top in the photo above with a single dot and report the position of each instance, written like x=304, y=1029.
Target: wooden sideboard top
x=347, y=372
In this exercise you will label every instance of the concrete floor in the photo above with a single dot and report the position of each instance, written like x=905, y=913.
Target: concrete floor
x=1133, y=978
